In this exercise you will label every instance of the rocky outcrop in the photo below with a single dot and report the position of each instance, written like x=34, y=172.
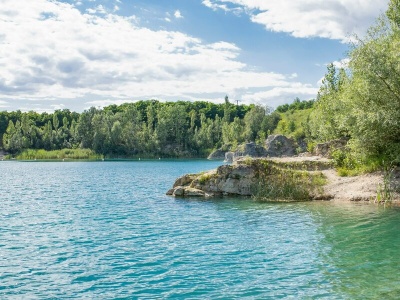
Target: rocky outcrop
x=217, y=154
x=184, y=180
x=240, y=177
x=325, y=149
x=187, y=191
x=247, y=149
x=278, y=145
x=229, y=157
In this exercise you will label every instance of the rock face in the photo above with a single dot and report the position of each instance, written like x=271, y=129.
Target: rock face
x=278, y=145
x=184, y=180
x=240, y=177
x=217, y=154
x=248, y=149
x=324, y=149
x=229, y=156
x=2, y=155
x=226, y=179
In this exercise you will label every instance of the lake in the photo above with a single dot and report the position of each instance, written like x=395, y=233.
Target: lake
x=106, y=230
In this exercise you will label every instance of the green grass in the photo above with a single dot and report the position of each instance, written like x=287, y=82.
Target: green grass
x=32, y=154
x=288, y=186
x=285, y=184
x=204, y=178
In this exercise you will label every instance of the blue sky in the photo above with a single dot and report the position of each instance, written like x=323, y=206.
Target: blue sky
x=80, y=53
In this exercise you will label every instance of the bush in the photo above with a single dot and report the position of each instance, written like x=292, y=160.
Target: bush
x=277, y=184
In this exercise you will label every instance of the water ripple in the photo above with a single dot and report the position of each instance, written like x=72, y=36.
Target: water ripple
x=106, y=231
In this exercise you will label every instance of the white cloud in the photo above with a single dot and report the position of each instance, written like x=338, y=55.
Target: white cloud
x=344, y=63
x=99, y=9
x=215, y=6
x=51, y=51
x=178, y=15
x=280, y=95
x=3, y=104
x=333, y=19
x=57, y=106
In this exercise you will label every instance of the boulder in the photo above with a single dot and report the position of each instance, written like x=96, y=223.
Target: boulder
x=192, y=192
x=179, y=191
x=324, y=149
x=229, y=157
x=217, y=154
x=250, y=149
x=247, y=149
x=184, y=180
x=186, y=191
x=278, y=145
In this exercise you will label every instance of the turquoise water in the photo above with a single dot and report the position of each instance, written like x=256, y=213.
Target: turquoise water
x=105, y=230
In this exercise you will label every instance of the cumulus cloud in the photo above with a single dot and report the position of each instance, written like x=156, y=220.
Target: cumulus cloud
x=332, y=19
x=52, y=51
x=344, y=63
x=280, y=95
x=99, y=9
x=178, y=15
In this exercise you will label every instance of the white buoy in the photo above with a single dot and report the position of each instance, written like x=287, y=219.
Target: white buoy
x=139, y=158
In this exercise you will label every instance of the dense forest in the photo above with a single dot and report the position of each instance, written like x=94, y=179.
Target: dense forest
x=359, y=103
x=147, y=128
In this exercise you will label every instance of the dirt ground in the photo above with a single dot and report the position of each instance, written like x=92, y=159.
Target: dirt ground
x=355, y=188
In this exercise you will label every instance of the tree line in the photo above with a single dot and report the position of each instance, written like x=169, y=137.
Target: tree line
x=147, y=128
x=359, y=103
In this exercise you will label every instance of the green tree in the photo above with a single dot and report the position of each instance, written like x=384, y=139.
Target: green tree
x=253, y=121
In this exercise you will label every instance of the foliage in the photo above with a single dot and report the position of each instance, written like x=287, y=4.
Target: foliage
x=297, y=104
x=33, y=154
x=385, y=192
x=362, y=103
x=144, y=128
x=285, y=181
x=294, y=123
x=286, y=184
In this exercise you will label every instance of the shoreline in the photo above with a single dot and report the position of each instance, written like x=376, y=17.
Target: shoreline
x=237, y=179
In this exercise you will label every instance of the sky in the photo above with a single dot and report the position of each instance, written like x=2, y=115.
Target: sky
x=75, y=54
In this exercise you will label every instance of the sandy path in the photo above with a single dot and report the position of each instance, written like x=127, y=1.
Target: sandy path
x=355, y=188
